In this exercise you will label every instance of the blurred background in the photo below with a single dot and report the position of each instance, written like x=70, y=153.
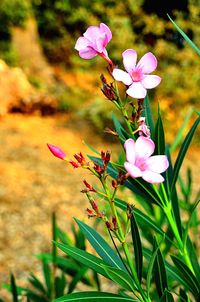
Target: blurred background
x=48, y=94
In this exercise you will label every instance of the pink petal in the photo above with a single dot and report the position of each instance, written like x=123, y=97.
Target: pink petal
x=150, y=81
x=136, y=90
x=132, y=170
x=104, y=28
x=81, y=43
x=144, y=147
x=157, y=163
x=129, y=59
x=152, y=177
x=120, y=75
x=130, y=150
x=92, y=33
x=56, y=151
x=147, y=63
x=100, y=42
x=87, y=53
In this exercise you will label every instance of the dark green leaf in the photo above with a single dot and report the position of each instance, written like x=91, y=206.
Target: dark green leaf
x=123, y=135
x=120, y=277
x=36, y=283
x=183, y=296
x=187, y=275
x=13, y=288
x=167, y=297
x=147, y=113
x=159, y=136
x=78, y=277
x=54, y=237
x=160, y=275
x=182, y=153
x=32, y=296
x=142, y=219
x=185, y=36
x=85, y=258
x=94, y=297
x=193, y=258
x=101, y=246
x=137, y=246
x=137, y=185
x=47, y=276
x=181, y=130
x=150, y=270
x=59, y=285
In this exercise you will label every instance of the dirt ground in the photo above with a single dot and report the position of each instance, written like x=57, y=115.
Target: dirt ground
x=33, y=184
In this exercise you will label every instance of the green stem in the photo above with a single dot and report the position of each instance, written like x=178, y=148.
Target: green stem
x=122, y=239
x=166, y=205
x=121, y=107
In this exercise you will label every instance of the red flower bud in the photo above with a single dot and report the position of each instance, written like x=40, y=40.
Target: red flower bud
x=74, y=164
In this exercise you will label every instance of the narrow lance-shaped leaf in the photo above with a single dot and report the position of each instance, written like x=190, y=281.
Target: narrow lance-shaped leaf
x=101, y=246
x=167, y=297
x=185, y=36
x=13, y=288
x=94, y=297
x=187, y=276
x=182, y=152
x=121, y=278
x=159, y=136
x=138, y=186
x=137, y=246
x=150, y=271
x=147, y=113
x=84, y=257
x=160, y=275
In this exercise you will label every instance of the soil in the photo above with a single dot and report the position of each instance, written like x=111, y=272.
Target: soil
x=33, y=184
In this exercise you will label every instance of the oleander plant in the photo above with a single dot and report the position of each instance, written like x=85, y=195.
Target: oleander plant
x=145, y=244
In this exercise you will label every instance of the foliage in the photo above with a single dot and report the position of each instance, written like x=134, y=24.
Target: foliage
x=12, y=13
x=61, y=274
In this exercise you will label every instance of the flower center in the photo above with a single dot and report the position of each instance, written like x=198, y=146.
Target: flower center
x=137, y=75
x=141, y=164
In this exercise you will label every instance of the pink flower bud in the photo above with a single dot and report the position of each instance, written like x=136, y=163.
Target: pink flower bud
x=57, y=152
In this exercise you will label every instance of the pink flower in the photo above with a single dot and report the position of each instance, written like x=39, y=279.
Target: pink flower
x=137, y=76
x=140, y=163
x=143, y=128
x=94, y=42
x=57, y=152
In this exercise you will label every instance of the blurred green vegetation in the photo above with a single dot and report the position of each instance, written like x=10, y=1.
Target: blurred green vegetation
x=139, y=24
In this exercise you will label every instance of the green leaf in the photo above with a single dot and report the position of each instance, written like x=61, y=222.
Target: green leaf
x=167, y=297
x=181, y=130
x=54, y=237
x=13, y=288
x=123, y=135
x=78, y=277
x=34, y=297
x=94, y=297
x=138, y=186
x=193, y=257
x=36, y=283
x=185, y=235
x=120, y=277
x=150, y=270
x=142, y=219
x=101, y=246
x=147, y=113
x=183, y=296
x=160, y=275
x=137, y=246
x=84, y=257
x=182, y=152
x=159, y=136
x=187, y=276
x=59, y=285
x=185, y=36
x=47, y=276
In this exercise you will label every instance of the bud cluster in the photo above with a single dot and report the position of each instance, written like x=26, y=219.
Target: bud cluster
x=108, y=89
x=105, y=156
